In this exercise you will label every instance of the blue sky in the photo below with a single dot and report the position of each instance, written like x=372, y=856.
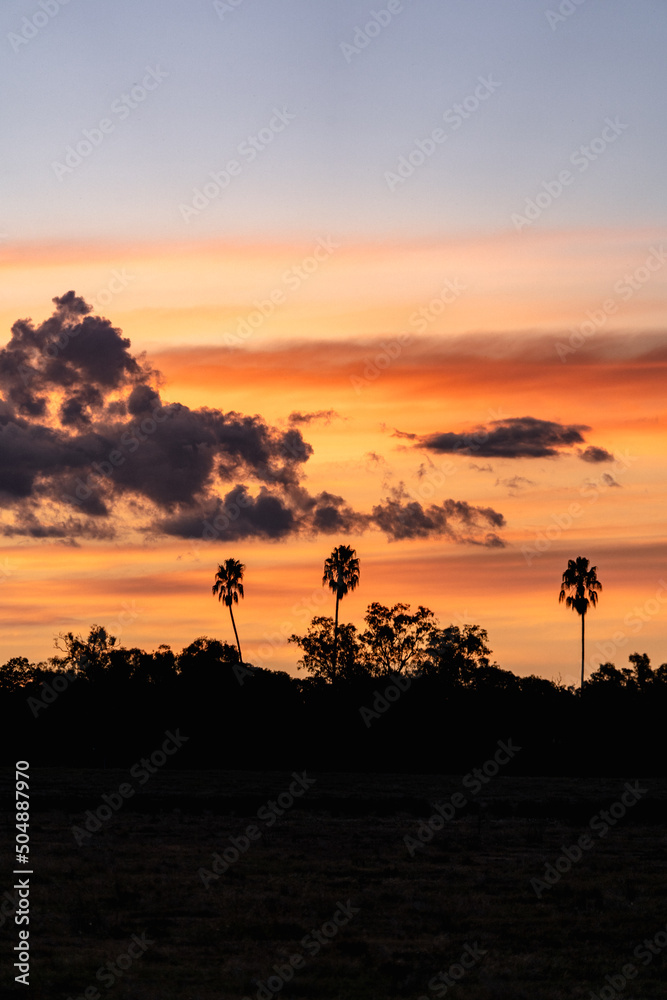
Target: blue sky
x=355, y=115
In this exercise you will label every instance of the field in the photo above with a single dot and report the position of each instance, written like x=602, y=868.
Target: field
x=402, y=916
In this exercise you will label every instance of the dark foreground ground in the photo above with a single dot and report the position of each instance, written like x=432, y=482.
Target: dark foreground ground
x=408, y=918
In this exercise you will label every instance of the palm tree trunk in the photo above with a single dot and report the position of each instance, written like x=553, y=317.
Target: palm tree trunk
x=582, y=650
x=238, y=644
x=335, y=649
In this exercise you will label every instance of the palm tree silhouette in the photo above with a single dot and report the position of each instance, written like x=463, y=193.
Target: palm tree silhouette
x=228, y=587
x=583, y=585
x=341, y=572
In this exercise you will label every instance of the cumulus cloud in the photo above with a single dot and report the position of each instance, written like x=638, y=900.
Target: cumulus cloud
x=82, y=357
x=457, y=520
x=82, y=423
x=237, y=515
x=84, y=429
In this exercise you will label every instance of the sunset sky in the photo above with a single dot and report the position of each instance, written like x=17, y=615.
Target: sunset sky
x=396, y=274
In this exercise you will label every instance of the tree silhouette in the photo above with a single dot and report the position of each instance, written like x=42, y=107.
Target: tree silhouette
x=341, y=572
x=228, y=587
x=397, y=641
x=318, y=644
x=579, y=588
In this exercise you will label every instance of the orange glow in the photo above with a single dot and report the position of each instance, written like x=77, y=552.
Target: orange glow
x=196, y=292
x=489, y=354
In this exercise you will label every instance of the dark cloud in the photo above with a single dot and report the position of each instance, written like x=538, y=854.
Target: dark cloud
x=82, y=423
x=83, y=428
x=480, y=468
x=594, y=454
x=605, y=481
x=29, y=525
x=238, y=515
x=457, y=520
x=235, y=516
x=307, y=418
x=31, y=455
x=512, y=437
x=331, y=514
x=82, y=357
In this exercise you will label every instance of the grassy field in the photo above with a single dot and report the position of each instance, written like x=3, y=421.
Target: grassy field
x=407, y=915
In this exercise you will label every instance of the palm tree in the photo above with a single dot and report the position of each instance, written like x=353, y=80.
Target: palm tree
x=341, y=572
x=228, y=587
x=583, y=586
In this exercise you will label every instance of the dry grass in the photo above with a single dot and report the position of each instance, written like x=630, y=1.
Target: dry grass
x=470, y=884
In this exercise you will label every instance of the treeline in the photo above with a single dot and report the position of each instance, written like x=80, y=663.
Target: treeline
x=401, y=695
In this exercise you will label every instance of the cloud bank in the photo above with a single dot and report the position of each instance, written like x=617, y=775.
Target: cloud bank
x=85, y=432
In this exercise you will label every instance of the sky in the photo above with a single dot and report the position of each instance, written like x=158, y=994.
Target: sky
x=394, y=275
